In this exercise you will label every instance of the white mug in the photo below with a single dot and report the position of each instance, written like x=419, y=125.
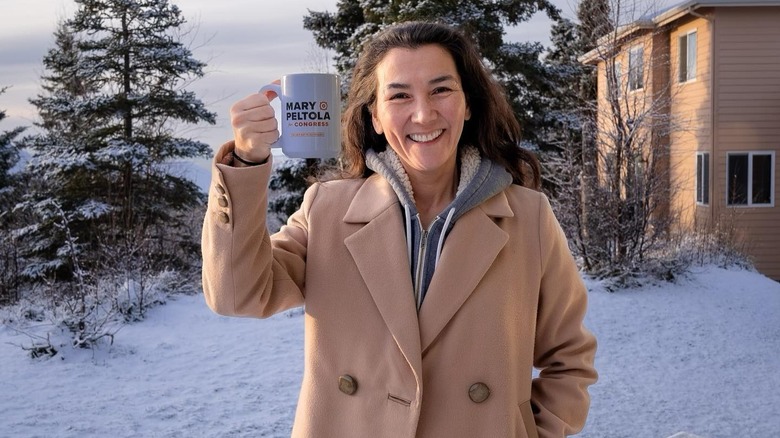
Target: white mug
x=311, y=115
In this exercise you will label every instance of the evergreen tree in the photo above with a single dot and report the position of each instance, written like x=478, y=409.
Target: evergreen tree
x=573, y=98
x=595, y=21
x=9, y=154
x=289, y=182
x=112, y=96
x=563, y=113
x=572, y=168
x=132, y=54
x=568, y=114
x=516, y=65
x=9, y=266
x=61, y=171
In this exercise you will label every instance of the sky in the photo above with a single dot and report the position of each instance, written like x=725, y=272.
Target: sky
x=246, y=43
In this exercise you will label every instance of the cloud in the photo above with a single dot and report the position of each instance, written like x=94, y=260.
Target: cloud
x=246, y=44
x=24, y=49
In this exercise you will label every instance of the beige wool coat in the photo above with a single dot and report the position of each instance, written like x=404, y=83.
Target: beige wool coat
x=506, y=297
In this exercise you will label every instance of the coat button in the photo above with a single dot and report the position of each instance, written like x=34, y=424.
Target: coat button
x=224, y=218
x=479, y=392
x=222, y=201
x=347, y=384
x=220, y=189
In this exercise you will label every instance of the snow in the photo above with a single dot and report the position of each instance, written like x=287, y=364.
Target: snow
x=699, y=357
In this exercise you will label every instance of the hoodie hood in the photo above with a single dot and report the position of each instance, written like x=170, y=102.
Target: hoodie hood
x=480, y=179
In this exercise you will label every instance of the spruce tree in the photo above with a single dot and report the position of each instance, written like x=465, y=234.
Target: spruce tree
x=568, y=114
x=9, y=153
x=288, y=183
x=574, y=94
x=516, y=65
x=9, y=257
x=131, y=51
x=113, y=97
x=60, y=174
x=9, y=158
x=595, y=21
x=565, y=104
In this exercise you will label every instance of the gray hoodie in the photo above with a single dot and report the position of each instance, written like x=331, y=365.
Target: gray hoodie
x=480, y=179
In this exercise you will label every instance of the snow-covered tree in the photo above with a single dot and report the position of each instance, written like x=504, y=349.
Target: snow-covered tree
x=9, y=252
x=113, y=97
x=60, y=171
x=516, y=65
x=288, y=183
x=572, y=168
x=131, y=51
x=9, y=152
x=563, y=112
x=612, y=175
x=595, y=21
x=571, y=106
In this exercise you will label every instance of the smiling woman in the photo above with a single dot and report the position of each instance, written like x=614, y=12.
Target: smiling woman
x=435, y=276
x=421, y=109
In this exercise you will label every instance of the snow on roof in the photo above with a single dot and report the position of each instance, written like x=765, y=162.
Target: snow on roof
x=667, y=15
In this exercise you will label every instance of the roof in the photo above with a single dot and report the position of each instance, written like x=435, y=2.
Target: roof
x=668, y=15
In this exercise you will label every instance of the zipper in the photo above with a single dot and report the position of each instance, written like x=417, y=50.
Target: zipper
x=421, y=255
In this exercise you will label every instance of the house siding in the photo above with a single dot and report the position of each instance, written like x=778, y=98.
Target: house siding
x=746, y=78
x=691, y=114
x=732, y=105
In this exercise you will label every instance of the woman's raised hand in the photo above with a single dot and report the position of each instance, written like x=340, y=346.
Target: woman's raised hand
x=255, y=126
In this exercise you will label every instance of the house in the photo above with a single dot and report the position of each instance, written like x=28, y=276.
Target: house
x=707, y=76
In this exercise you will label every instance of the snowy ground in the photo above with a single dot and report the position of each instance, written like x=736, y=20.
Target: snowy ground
x=700, y=356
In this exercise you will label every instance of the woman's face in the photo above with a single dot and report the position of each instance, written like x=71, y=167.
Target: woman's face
x=420, y=108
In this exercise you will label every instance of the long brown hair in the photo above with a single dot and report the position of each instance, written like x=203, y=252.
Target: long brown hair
x=492, y=129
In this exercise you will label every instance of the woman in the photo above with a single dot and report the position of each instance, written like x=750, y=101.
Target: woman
x=433, y=281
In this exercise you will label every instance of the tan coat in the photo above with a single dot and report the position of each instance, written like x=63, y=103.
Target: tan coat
x=506, y=297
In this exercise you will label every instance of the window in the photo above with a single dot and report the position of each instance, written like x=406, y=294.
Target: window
x=636, y=68
x=751, y=177
x=687, y=61
x=703, y=178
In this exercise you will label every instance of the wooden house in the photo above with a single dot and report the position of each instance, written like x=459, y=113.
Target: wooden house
x=710, y=71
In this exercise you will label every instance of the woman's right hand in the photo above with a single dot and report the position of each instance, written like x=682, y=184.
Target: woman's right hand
x=255, y=126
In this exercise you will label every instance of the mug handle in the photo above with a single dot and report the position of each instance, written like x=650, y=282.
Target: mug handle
x=276, y=88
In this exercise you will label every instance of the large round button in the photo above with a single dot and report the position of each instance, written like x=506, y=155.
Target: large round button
x=347, y=384
x=224, y=218
x=222, y=201
x=220, y=189
x=479, y=392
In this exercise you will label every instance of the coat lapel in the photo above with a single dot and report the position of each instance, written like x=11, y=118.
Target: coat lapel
x=470, y=249
x=379, y=251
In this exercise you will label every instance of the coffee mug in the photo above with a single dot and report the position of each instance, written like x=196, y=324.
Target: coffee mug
x=311, y=115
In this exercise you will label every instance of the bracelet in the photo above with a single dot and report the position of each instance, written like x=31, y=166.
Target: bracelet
x=247, y=162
